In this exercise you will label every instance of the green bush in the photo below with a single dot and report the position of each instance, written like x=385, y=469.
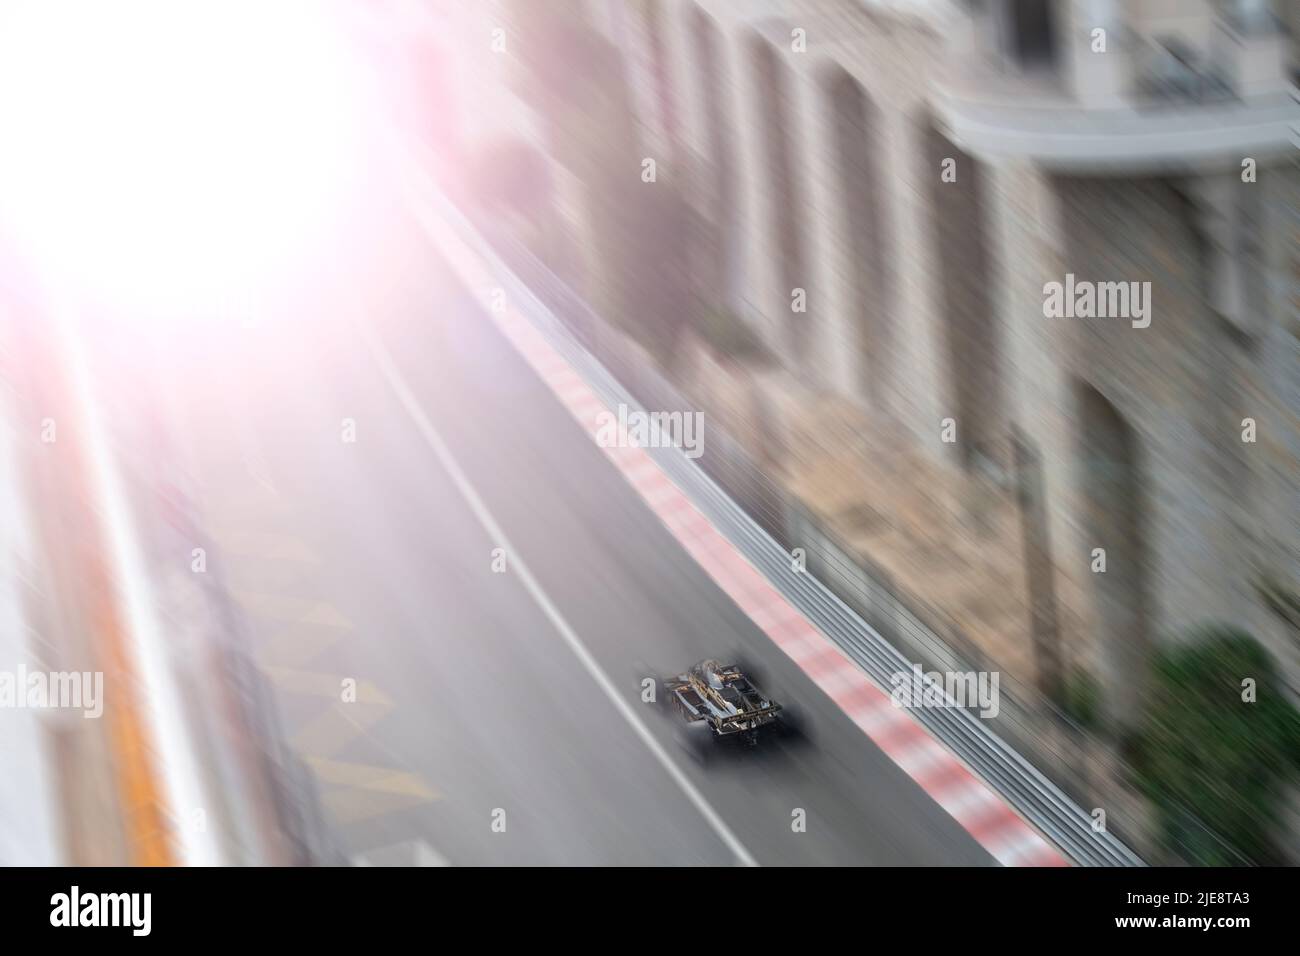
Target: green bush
x=728, y=336
x=1216, y=767
x=1081, y=699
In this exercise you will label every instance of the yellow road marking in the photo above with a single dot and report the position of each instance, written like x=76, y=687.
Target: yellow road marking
x=317, y=684
x=369, y=777
x=353, y=806
x=295, y=610
x=303, y=628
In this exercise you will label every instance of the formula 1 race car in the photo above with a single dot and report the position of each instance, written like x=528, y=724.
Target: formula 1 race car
x=717, y=702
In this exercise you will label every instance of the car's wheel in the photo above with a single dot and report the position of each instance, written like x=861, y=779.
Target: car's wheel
x=664, y=697
x=791, y=726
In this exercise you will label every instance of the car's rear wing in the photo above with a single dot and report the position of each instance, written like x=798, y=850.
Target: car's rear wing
x=748, y=715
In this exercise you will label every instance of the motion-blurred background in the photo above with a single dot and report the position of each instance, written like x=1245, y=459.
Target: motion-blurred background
x=830, y=226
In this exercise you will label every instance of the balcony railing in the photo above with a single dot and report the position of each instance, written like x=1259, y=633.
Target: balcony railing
x=1169, y=72
x=1152, y=102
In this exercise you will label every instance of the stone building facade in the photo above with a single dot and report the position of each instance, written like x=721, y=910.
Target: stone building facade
x=923, y=172
x=1159, y=150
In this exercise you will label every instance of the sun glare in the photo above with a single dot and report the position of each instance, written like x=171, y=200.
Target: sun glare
x=158, y=152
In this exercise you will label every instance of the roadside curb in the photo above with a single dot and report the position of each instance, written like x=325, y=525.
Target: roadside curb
x=989, y=819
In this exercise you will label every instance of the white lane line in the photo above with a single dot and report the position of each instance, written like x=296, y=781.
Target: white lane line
x=418, y=852
x=485, y=518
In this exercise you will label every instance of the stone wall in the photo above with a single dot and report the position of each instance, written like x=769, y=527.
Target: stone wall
x=1212, y=513
x=924, y=302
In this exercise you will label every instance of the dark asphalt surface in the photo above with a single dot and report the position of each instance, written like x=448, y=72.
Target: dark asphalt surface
x=361, y=560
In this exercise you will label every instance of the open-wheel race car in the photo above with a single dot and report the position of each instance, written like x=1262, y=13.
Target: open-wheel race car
x=721, y=702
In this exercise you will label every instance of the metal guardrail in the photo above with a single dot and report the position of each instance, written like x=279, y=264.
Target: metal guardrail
x=1024, y=787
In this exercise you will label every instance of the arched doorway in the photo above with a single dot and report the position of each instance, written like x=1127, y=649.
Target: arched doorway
x=856, y=129
x=710, y=68
x=785, y=219
x=661, y=73
x=1113, y=518
x=971, y=337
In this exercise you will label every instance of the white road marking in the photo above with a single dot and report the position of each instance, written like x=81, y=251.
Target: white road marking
x=520, y=568
x=416, y=852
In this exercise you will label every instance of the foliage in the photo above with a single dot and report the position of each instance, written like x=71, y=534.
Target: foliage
x=1216, y=767
x=1081, y=700
x=646, y=238
x=728, y=336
